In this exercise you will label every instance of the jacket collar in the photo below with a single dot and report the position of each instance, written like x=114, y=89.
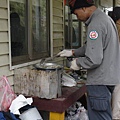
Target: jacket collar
x=95, y=13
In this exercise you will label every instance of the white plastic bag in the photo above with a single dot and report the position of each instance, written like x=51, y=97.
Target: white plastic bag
x=31, y=114
x=76, y=112
x=68, y=80
x=82, y=114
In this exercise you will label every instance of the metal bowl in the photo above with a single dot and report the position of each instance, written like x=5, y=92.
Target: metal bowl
x=48, y=66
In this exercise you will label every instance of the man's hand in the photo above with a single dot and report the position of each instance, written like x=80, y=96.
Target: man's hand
x=74, y=66
x=65, y=53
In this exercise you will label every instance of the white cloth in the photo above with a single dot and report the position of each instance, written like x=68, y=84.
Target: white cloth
x=65, y=53
x=74, y=65
x=116, y=102
x=18, y=103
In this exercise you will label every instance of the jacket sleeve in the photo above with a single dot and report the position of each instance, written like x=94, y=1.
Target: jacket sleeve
x=94, y=50
x=80, y=52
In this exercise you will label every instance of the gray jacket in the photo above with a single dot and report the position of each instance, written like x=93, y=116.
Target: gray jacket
x=101, y=54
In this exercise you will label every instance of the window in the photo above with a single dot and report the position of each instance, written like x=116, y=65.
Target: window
x=72, y=29
x=29, y=26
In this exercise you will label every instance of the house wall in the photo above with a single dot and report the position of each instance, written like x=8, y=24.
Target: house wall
x=106, y=3
x=4, y=42
x=58, y=27
x=117, y=2
x=57, y=32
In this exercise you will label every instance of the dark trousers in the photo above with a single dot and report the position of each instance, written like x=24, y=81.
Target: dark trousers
x=99, y=102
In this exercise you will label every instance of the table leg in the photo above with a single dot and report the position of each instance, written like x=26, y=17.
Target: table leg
x=56, y=116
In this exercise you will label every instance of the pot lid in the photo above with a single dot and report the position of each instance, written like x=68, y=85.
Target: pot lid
x=48, y=66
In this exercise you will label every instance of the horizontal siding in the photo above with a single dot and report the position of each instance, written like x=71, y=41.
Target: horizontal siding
x=117, y=2
x=3, y=25
x=57, y=43
x=4, y=48
x=4, y=36
x=3, y=13
x=57, y=35
x=4, y=60
x=57, y=49
x=57, y=12
x=3, y=3
x=58, y=19
x=106, y=3
x=4, y=70
x=4, y=43
x=58, y=29
x=58, y=60
x=10, y=80
x=58, y=4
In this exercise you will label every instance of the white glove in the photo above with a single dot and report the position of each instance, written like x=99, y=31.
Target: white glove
x=74, y=66
x=65, y=53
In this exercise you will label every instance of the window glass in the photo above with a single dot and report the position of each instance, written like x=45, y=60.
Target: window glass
x=29, y=23
x=72, y=30
x=18, y=28
x=76, y=32
x=39, y=25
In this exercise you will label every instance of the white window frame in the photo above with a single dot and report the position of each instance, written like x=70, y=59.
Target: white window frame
x=9, y=36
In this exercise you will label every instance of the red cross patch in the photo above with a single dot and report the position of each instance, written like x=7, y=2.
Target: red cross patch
x=93, y=35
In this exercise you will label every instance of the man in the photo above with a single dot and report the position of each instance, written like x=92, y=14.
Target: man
x=100, y=56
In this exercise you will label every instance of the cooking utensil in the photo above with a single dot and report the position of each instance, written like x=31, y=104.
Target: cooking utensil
x=44, y=60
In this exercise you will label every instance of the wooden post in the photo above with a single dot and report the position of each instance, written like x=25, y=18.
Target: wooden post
x=56, y=116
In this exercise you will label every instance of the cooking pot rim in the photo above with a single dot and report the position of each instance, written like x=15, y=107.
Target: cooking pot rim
x=41, y=67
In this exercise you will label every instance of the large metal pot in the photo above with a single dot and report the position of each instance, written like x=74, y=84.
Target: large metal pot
x=53, y=68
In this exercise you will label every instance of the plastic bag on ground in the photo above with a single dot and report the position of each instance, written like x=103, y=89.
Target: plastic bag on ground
x=18, y=103
x=76, y=112
x=7, y=95
x=31, y=113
